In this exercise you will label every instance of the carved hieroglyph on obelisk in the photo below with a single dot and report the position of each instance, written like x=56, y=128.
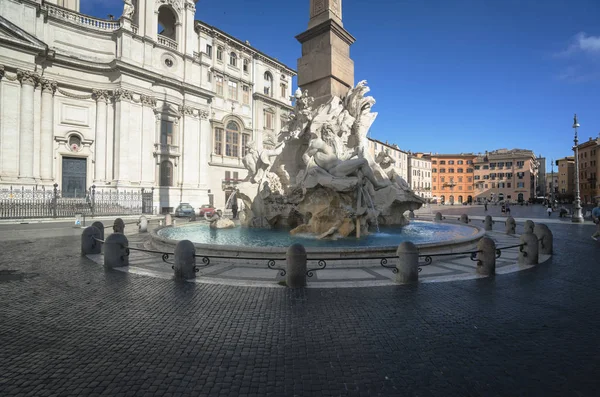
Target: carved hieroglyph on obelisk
x=325, y=68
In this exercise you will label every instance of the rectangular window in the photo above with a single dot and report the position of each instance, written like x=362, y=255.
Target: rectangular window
x=227, y=175
x=268, y=120
x=235, y=175
x=492, y=165
x=209, y=50
x=246, y=94
x=219, y=141
x=450, y=162
x=209, y=76
x=451, y=170
x=442, y=170
x=233, y=90
x=283, y=90
x=166, y=132
x=520, y=164
x=232, y=145
x=485, y=167
x=459, y=162
x=433, y=161
x=219, y=80
x=508, y=164
x=434, y=170
x=520, y=184
x=267, y=91
x=443, y=162
x=460, y=179
x=245, y=140
x=219, y=53
x=508, y=185
x=460, y=170
x=477, y=167
x=245, y=65
x=470, y=179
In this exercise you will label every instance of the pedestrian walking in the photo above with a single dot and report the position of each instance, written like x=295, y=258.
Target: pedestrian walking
x=596, y=219
x=549, y=210
x=485, y=205
x=507, y=208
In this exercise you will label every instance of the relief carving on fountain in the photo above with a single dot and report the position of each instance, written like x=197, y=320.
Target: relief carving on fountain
x=320, y=177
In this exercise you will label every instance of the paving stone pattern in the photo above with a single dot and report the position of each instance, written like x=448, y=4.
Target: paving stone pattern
x=70, y=328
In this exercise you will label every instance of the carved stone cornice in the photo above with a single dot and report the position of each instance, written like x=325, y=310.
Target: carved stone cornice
x=1, y=71
x=121, y=94
x=28, y=78
x=203, y=114
x=48, y=86
x=148, y=100
x=101, y=95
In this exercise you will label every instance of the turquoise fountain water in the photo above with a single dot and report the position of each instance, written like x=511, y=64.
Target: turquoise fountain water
x=416, y=232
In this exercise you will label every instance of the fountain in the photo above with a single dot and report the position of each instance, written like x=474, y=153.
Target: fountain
x=318, y=184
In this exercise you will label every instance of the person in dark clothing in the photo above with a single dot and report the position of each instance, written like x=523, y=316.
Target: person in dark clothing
x=234, y=207
x=485, y=205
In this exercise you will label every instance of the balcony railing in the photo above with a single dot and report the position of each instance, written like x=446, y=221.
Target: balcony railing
x=161, y=148
x=81, y=20
x=167, y=42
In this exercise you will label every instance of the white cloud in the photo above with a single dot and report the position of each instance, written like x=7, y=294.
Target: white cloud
x=582, y=43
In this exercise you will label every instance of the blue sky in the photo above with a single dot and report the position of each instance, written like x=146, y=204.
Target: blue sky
x=448, y=75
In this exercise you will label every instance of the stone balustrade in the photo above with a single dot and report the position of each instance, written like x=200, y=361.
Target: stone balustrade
x=167, y=42
x=82, y=20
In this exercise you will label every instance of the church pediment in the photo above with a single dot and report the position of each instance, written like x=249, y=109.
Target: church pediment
x=12, y=34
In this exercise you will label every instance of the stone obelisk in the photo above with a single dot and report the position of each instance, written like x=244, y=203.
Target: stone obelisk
x=325, y=68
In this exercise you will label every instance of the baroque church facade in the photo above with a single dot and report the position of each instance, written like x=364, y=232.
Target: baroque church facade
x=154, y=100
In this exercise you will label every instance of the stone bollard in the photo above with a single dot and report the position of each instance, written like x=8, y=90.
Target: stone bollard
x=89, y=245
x=545, y=239
x=143, y=224
x=115, y=251
x=486, y=257
x=408, y=263
x=119, y=226
x=168, y=220
x=464, y=218
x=295, y=258
x=411, y=214
x=528, y=227
x=100, y=226
x=488, y=223
x=185, y=260
x=510, y=225
x=438, y=216
x=529, y=253
x=174, y=222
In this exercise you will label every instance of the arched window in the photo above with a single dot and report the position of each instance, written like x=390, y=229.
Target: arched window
x=233, y=59
x=219, y=53
x=166, y=23
x=268, y=87
x=232, y=139
x=166, y=173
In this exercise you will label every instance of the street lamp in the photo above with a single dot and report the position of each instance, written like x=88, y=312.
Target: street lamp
x=577, y=215
x=552, y=183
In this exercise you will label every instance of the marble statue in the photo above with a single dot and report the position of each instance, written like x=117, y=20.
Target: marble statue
x=128, y=9
x=320, y=178
x=386, y=162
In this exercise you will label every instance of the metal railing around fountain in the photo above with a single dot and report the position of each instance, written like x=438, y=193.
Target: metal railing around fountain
x=428, y=258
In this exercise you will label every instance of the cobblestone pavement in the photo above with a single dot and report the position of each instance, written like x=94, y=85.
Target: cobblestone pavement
x=67, y=327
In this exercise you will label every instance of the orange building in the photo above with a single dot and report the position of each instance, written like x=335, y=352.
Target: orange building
x=506, y=175
x=566, y=178
x=589, y=167
x=452, y=178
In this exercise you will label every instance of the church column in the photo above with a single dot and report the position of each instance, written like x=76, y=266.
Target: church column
x=205, y=147
x=1, y=76
x=100, y=141
x=121, y=137
x=46, y=132
x=28, y=80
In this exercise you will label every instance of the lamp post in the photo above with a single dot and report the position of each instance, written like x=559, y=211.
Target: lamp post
x=552, y=182
x=577, y=215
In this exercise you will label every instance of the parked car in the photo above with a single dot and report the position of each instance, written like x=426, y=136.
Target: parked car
x=207, y=210
x=184, y=209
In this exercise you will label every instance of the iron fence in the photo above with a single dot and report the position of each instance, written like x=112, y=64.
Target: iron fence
x=41, y=202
